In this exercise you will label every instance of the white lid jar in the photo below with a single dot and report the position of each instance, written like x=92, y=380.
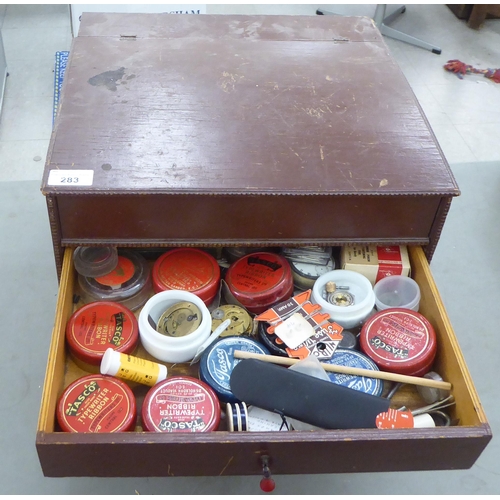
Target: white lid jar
x=360, y=289
x=172, y=349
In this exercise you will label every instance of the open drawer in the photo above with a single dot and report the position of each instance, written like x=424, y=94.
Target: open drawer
x=297, y=452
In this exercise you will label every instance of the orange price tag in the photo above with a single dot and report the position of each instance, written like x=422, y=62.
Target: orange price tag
x=395, y=419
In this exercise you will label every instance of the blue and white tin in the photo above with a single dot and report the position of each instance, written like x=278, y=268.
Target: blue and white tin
x=218, y=361
x=348, y=357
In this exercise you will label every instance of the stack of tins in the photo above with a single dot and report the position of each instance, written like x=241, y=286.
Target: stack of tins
x=396, y=340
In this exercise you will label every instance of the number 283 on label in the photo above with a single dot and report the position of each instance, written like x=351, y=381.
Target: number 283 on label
x=71, y=178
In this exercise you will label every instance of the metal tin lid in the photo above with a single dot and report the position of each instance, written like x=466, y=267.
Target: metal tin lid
x=305, y=275
x=97, y=326
x=218, y=362
x=180, y=404
x=349, y=341
x=430, y=394
x=188, y=269
x=260, y=280
x=97, y=403
x=241, y=321
x=129, y=282
x=348, y=357
x=95, y=261
x=400, y=341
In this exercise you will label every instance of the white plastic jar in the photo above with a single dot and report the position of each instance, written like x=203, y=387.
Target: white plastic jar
x=359, y=287
x=172, y=349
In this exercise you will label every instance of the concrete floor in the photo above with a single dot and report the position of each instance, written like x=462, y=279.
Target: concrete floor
x=464, y=116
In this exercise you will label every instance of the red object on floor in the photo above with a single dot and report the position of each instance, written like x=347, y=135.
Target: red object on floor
x=460, y=69
x=493, y=74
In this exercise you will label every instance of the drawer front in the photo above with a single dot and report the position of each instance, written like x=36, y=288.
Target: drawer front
x=224, y=453
x=159, y=218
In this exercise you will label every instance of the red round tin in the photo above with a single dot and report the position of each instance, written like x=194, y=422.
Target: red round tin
x=400, y=341
x=260, y=280
x=99, y=325
x=187, y=269
x=97, y=403
x=181, y=404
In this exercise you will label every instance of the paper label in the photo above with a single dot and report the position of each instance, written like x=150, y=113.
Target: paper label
x=294, y=331
x=142, y=371
x=283, y=309
x=309, y=312
x=375, y=262
x=390, y=262
x=70, y=178
x=260, y=420
x=321, y=345
x=394, y=419
x=122, y=273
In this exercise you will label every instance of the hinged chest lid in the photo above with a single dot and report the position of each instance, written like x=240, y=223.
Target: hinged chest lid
x=221, y=114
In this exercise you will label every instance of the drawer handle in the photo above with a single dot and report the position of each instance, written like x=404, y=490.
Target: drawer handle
x=267, y=483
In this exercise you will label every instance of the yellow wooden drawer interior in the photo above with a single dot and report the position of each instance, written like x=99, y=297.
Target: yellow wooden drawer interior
x=224, y=453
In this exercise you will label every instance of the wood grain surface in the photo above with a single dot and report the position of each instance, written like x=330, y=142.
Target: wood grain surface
x=284, y=105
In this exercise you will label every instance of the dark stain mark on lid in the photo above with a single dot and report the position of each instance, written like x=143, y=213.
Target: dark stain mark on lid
x=108, y=79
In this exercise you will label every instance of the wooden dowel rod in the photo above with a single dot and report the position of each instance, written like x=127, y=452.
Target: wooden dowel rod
x=349, y=370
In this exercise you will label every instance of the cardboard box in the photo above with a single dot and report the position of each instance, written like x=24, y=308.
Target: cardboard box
x=376, y=262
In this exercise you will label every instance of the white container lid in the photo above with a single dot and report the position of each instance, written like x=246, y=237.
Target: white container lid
x=397, y=291
x=172, y=349
x=359, y=286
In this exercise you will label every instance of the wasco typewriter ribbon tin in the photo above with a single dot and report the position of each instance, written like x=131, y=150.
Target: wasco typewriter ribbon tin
x=399, y=340
x=181, y=404
x=98, y=326
x=97, y=403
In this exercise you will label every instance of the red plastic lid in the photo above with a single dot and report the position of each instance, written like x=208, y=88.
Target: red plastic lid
x=100, y=325
x=181, y=404
x=400, y=341
x=260, y=280
x=97, y=403
x=187, y=269
x=123, y=272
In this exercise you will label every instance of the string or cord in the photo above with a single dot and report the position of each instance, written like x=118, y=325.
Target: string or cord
x=283, y=418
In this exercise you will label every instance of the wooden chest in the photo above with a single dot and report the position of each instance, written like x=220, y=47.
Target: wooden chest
x=246, y=130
